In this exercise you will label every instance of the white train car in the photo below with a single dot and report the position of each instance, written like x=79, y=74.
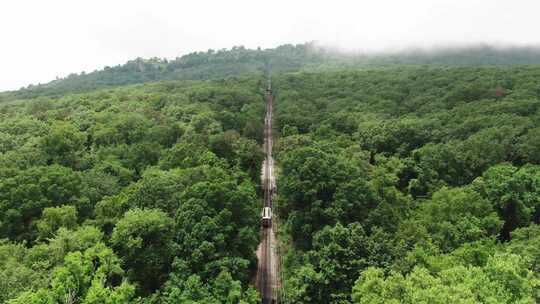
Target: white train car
x=266, y=217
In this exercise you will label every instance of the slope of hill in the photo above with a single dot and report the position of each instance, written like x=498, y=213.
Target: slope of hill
x=241, y=61
x=194, y=66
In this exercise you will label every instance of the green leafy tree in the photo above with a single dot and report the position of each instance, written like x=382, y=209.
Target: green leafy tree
x=504, y=279
x=24, y=196
x=453, y=217
x=217, y=224
x=143, y=238
x=186, y=155
x=223, y=289
x=158, y=189
x=339, y=254
x=514, y=193
x=16, y=275
x=529, y=146
x=85, y=277
x=310, y=179
x=64, y=145
x=55, y=217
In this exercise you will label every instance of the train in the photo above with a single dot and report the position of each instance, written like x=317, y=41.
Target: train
x=266, y=217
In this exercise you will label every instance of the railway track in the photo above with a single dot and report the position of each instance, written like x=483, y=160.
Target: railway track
x=267, y=278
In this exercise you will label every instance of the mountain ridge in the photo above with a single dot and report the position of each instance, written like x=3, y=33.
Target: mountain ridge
x=239, y=60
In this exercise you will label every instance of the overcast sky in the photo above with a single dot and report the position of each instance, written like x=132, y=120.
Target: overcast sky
x=44, y=39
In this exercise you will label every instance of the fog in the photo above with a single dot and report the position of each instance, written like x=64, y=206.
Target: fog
x=45, y=39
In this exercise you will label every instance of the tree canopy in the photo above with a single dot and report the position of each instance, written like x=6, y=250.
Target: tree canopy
x=409, y=184
x=396, y=184
x=140, y=194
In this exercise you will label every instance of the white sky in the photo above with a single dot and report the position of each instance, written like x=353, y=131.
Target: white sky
x=44, y=39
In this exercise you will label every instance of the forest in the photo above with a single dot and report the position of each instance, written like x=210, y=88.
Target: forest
x=141, y=194
x=396, y=184
x=410, y=185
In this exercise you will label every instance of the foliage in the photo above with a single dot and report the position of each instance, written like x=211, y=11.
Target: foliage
x=238, y=60
x=504, y=279
x=419, y=182
x=396, y=183
x=144, y=239
x=104, y=194
x=55, y=218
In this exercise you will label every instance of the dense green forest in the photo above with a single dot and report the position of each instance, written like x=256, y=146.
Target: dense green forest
x=396, y=183
x=410, y=185
x=239, y=60
x=141, y=194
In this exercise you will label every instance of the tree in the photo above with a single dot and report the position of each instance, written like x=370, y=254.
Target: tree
x=217, y=224
x=504, y=279
x=338, y=255
x=92, y=276
x=525, y=242
x=54, y=218
x=453, y=217
x=158, y=189
x=310, y=179
x=437, y=165
x=304, y=285
x=24, y=196
x=222, y=289
x=64, y=145
x=143, y=239
x=514, y=193
x=529, y=146
x=16, y=274
x=186, y=155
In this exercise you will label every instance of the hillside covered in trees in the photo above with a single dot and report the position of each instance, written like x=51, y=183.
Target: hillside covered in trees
x=239, y=60
x=410, y=185
x=396, y=183
x=195, y=66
